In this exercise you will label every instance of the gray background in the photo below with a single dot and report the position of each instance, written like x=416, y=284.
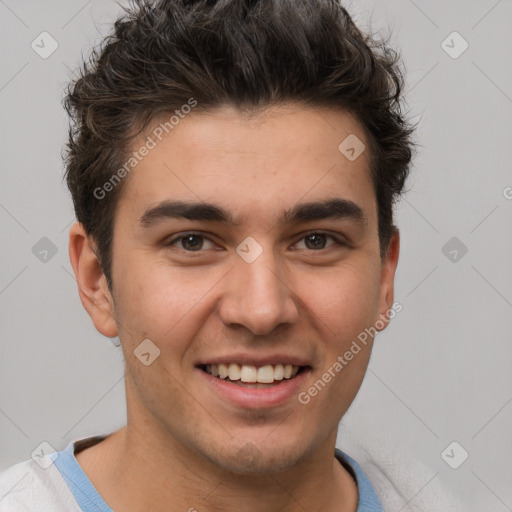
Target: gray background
x=440, y=373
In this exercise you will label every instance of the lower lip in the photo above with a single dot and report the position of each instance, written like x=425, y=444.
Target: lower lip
x=256, y=398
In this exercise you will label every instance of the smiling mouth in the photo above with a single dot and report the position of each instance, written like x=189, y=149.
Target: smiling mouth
x=253, y=376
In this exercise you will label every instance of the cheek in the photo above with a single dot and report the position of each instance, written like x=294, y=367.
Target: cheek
x=345, y=305
x=345, y=299
x=155, y=301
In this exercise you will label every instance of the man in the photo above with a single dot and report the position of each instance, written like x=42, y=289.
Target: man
x=233, y=166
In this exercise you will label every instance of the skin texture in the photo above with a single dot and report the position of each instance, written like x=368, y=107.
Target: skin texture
x=182, y=446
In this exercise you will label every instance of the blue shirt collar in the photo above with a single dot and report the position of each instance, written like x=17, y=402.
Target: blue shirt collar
x=90, y=500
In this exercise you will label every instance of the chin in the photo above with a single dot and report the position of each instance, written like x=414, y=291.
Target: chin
x=253, y=458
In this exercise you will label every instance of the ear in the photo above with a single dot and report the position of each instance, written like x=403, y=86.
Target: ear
x=387, y=280
x=92, y=283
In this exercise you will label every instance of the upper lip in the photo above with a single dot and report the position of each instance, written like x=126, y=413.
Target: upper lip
x=255, y=360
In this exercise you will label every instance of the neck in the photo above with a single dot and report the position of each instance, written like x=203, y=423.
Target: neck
x=134, y=470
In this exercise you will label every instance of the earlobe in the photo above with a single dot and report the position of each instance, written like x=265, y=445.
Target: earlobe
x=92, y=284
x=387, y=281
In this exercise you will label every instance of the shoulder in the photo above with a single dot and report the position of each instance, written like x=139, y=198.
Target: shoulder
x=396, y=475
x=31, y=486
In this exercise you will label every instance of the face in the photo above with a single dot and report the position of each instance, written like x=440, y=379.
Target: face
x=245, y=245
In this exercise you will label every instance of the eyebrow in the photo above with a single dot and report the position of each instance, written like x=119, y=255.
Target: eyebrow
x=200, y=211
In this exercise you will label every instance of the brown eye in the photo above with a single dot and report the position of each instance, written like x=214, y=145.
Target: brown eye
x=191, y=242
x=315, y=241
x=318, y=241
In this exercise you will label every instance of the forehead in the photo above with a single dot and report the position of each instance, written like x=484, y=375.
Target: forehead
x=253, y=165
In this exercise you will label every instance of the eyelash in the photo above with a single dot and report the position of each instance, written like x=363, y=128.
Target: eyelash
x=338, y=241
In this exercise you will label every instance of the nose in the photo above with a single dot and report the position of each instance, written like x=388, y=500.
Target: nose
x=257, y=297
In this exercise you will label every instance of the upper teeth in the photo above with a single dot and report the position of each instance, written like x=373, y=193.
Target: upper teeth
x=248, y=373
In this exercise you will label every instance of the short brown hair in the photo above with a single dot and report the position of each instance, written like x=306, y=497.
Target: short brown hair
x=245, y=53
